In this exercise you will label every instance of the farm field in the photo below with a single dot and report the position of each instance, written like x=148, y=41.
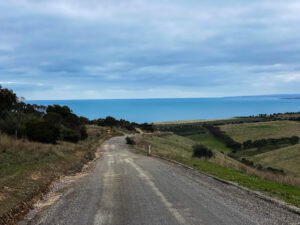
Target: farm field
x=287, y=158
x=210, y=141
x=262, y=130
x=180, y=148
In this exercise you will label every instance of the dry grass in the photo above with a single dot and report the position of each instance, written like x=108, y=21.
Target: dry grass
x=255, y=131
x=279, y=178
x=26, y=168
x=287, y=158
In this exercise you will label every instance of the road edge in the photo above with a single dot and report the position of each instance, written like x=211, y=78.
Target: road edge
x=258, y=194
x=18, y=213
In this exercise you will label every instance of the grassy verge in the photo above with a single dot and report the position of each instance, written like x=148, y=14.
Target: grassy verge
x=179, y=149
x=27, y=168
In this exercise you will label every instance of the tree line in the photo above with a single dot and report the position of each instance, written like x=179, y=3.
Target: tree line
x=183, y=129
x=113, y=122
x=52, y=123
x=271, y=142
x=39, y=123
x=236, y=146
x=229, y=142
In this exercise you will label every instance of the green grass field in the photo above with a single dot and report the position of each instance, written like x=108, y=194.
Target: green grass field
x=255, y=131
x=287, y=158
x=180, y=149
x=210, y=141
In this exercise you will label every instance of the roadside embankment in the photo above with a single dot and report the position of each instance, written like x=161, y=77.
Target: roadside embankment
x=28, y=168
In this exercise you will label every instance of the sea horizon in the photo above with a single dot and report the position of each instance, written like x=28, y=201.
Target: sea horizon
x=176, y=109
x=154, y=98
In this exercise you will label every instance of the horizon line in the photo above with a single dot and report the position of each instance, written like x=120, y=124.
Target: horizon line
x=164, y=98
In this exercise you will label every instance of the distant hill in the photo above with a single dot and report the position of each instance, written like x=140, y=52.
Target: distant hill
x=282, y=96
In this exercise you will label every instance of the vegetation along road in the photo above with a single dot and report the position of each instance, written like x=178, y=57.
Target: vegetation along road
x=124, y=187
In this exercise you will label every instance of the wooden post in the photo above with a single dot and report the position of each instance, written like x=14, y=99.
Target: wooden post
x=149, y=150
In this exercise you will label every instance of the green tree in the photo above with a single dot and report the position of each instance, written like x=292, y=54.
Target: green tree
x=8, y=99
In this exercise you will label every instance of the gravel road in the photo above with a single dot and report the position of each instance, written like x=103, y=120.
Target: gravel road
x=124, y=188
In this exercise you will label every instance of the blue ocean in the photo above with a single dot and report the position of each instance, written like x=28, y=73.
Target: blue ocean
x=157, y=110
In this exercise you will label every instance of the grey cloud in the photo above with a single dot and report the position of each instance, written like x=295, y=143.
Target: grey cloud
x=134, y=45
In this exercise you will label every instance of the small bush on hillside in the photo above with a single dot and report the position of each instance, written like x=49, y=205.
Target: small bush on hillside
x=130, y=141
x=201, y=151
x=83, y=133
x=70, y=135
x=247, y=162
x=42, y=131
x=275, y=170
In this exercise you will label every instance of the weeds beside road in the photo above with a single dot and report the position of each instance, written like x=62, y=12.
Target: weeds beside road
x=28, y=168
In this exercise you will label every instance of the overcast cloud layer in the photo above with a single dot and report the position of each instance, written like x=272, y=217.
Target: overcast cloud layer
x=71, y=49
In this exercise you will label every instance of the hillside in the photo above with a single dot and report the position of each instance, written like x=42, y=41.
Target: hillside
x=262, y=130
x=287, y=158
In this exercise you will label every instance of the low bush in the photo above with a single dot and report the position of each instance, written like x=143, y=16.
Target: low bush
x=247, y=162
x=70, y=135
x=83, y=133
x=42, y=131
x=200, y=151
x=130, y=141
x=275, y=170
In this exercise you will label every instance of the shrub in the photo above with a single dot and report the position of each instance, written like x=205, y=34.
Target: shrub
x=83, y=133
x=247, y=162
x=275, y=170
x=294, y=140
x=42, y=131
x=130, y=141
x=70, y=135
x=201, y=151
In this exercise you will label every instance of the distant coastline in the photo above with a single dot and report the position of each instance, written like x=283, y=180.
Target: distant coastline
x=298, y=98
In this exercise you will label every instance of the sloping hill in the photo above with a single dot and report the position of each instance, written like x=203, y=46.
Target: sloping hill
x=287, y=158
x=255, y=131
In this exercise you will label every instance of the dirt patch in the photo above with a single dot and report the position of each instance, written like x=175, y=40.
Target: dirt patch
x=56, y=189
x=36, y=175
x=49, y=200
x=2, y=196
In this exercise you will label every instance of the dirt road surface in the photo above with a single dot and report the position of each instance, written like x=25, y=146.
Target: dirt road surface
x=125, y=188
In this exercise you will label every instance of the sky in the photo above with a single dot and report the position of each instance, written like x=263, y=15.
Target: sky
x=102, y=49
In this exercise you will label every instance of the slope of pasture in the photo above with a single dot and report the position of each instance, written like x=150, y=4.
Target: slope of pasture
x=210, y=141
x=181, y=148
x=287, y=158
x=255, y=131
